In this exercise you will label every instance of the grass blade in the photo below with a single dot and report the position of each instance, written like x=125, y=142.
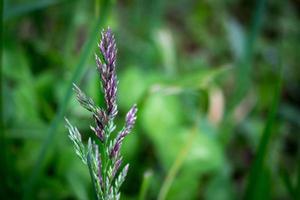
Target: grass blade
x=145, y=184
x=287, y=183
x=297, y=189
x=176, y=166
x=3, y=157
x=258, y=165
x=243, y=68
x=24, y=8
x=92, y=41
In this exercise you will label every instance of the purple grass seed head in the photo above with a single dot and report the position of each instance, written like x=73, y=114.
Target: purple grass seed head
x=116, y=149
x=100, y=171
x=116, y=167
x=107, y=70
x=131, y=118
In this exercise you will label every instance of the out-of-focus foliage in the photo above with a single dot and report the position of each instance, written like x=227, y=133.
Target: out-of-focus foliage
x=205, y=74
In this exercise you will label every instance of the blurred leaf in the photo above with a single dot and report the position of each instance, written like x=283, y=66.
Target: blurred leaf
x=45, y=85
x=75, y=172
x=52, y=189
x=15, y=65
x=78, y=187
x=195, y=153
x=256, y=176
x=200, y=79
x=24, y=8
x=30, y=151
x=204, y=154
x=165, y=43
x=133, y=84
x=243, y=72
x=288, y=183
x=297, y=187
x=161, y=113
x=219, y=187
x=23, y=96
x=70, y=167
x=236, y=37
x=185, y=185
x=8, y=106
x=24, y=132
x=162, y=119
x=176, y=166
x=145, y=184
x=207, y=151
x=130, y=145
x=263, y=186
x=252, y=129
x=290, y=113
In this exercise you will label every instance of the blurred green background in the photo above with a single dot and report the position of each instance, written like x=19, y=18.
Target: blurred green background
x=217, y=85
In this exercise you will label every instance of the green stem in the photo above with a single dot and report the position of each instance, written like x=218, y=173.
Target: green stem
x=287, y=183
x=243, y=67
x=258, y=164
x=145, y=184
x=176, y=166
x=297, y=188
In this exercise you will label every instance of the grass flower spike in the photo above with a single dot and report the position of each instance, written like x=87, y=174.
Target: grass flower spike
x=103, y=156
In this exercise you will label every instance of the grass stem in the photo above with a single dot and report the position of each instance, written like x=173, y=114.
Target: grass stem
x=176, y=166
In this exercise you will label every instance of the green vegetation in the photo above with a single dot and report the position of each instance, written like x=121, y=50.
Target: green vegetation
x=217, y=84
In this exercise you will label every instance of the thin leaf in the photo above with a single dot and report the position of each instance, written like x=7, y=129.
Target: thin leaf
x=175, y=167
x=243, y=66
x=258, y=165
x=145, y=184
x=297, y=189
x=196, y=80
x=287, y=183
x=236, y=37
x=24, y=8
